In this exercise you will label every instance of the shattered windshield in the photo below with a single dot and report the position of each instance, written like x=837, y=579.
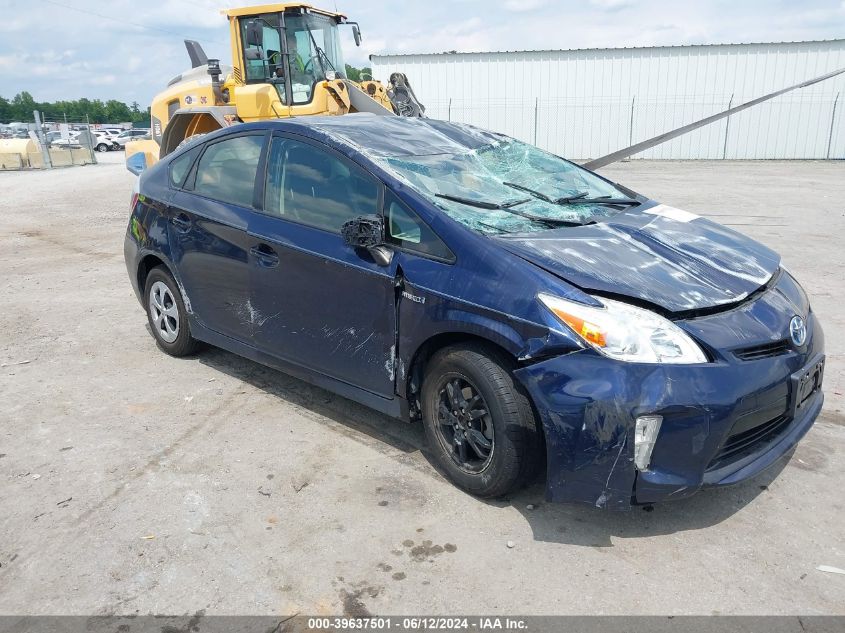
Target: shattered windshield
x=510, y=187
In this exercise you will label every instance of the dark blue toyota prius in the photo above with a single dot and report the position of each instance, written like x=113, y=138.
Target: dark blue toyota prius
x=531, y=314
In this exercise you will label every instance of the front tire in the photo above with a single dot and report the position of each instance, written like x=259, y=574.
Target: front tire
x=102, y=147
x=478, y=420
x=166, y=314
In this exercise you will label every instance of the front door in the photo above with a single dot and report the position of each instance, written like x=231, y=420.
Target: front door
x=318, y=302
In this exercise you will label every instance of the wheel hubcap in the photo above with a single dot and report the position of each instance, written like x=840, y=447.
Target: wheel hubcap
x=164, y=313
x=465, y=427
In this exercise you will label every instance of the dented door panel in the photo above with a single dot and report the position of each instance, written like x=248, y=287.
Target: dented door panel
x=324, y=306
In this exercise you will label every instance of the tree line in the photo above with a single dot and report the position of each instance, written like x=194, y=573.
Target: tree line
x=20, y=107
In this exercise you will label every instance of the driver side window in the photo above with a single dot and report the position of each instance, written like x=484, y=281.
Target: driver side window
x=313, y=186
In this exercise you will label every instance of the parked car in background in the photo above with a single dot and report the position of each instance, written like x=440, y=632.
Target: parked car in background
x=71, y=141
x=530, y=313
x=99, y=141
x=106, y=141
x=130, y=135
x=52, y=136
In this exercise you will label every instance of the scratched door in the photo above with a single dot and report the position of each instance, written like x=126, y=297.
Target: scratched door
x=318, y=302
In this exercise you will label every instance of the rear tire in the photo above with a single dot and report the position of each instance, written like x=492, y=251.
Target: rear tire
x=488, y=410
x=102, y=147
x=166, y=314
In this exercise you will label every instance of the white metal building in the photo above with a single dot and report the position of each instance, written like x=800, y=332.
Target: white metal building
x=587, y=103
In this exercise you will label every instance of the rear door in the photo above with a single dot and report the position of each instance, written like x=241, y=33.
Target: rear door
x=319, y=303
x=209, y=217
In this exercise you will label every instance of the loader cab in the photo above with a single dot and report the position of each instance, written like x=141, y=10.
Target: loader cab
x=293, y=49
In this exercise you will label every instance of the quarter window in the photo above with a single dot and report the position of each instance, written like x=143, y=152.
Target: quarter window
x=406, y=230
x=312, y=186
x=226, y=170
x=180, y=166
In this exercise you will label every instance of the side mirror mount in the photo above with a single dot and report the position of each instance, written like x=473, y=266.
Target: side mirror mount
x=367, y=231
x=254, y=34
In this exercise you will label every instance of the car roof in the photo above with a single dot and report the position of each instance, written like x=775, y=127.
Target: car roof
x=388, y=136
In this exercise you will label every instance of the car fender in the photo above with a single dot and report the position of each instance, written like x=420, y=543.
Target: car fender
x=426, y=316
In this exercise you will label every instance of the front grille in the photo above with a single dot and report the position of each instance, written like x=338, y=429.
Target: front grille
x=741, y=443
x=766, y=350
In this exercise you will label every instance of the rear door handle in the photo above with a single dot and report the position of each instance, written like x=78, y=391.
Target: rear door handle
x=265, y=256
x=182, y=222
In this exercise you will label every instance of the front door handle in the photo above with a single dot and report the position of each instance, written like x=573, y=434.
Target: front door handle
x=182, y=222
x=265, y=256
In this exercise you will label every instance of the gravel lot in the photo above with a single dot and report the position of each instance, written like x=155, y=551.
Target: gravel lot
x=132, y=482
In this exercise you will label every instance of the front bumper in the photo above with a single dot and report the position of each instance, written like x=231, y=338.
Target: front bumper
x=588, y=404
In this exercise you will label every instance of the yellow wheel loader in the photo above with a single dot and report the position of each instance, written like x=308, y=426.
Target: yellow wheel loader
x=286, y=61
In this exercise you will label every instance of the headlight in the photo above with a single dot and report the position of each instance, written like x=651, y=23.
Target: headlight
x=623, y=332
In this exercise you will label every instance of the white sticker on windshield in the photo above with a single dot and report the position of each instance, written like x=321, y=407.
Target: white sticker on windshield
x=665, y=211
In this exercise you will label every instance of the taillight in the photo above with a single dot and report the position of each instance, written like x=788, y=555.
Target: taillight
x=134, y=201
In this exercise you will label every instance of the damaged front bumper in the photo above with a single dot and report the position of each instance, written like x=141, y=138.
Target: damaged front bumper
x=723, y=422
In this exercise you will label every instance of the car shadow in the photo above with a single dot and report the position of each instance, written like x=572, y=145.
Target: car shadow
x=570, y=524
x=588, y=526
x=381, y=431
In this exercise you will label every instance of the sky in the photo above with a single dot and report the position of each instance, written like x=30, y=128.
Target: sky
x=129, y=50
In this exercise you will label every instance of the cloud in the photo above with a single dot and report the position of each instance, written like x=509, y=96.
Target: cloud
x=133, y=51
x=611, y=5
x=523, y=6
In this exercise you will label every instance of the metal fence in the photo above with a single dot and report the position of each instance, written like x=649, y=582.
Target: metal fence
x=788, y=127
x=46, y=144
x=585, y=103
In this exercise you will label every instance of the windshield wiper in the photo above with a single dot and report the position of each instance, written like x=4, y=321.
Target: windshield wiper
x=321, y=54
x=576, y=198
x=544, y=197
x=481, y=204
x=599, y=200
x=506, y=206
x=536, y=194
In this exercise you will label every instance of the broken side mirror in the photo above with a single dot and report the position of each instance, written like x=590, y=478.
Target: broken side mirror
x=367, y=231
x=254, y=34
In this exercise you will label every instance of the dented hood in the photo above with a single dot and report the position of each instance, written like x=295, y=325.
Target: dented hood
x=660, y=255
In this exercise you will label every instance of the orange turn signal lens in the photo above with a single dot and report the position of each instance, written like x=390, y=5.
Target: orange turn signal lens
x=589, y=331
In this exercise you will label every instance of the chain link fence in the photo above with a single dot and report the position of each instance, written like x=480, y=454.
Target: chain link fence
x=47, y=144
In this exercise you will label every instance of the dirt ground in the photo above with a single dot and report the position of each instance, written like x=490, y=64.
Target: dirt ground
x=132, y=482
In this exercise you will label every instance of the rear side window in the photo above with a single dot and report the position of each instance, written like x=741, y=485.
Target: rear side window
x=226, y=170
x=313, y=186
x=180, y=166
x=406, y=230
